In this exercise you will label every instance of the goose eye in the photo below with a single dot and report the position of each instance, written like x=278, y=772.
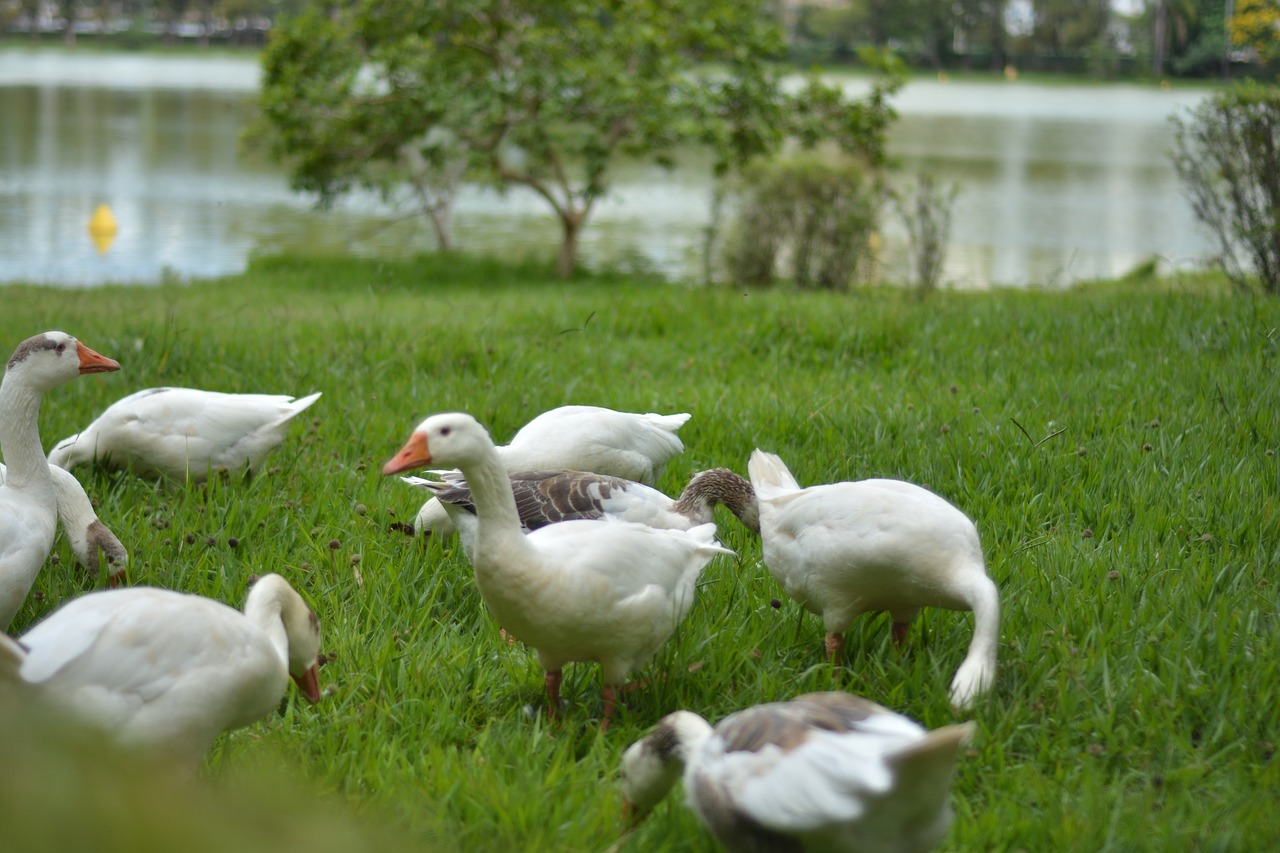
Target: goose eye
x=60, y=348
x=445, y=430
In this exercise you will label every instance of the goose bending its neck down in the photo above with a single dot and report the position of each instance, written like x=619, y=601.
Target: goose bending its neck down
x=550, y=497
x=28, y=496
x=844, y=549
x=84, y=530
x=822, y=772
x=166, y=671
x=629, y=445
x=183, y=432
x=611, y=592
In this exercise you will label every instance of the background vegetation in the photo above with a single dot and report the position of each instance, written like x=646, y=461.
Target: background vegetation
x=546, y=97
x=1115, y=445
x=1227, y=153
x=1181, y=38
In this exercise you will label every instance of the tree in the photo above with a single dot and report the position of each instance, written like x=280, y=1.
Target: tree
x=68, y=9
x=1171, y=22
x=980, y=26
x=1227, y=153
x=1256, y=24
x=1068, y=27
x=547, y=96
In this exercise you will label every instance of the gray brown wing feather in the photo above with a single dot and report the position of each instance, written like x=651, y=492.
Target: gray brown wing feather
x=787, y=724
x=736, y=831
x=547, y=497
x=782, y=724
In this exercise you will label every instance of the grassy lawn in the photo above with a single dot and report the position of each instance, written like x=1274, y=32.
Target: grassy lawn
x=1115, y=445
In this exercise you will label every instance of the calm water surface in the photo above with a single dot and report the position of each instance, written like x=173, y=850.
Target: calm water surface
x=1057, y=183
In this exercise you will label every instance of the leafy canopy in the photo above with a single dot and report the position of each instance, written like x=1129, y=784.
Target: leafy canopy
x=542, y=95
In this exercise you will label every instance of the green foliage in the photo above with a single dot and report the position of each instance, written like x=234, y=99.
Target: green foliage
x=1116, y=447
x=816, y=214
x=543, y=95
x=1254, y=24
x=924, y=206
x=1227, y=153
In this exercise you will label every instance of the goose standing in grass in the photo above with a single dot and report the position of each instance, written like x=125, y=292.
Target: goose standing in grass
x=166, y=671
x=28, y=496
x=844, y=549
x=581, y=438
x=85, y=531
x=549, y=497
x=823, y=772
x=183, y=432
x=611, y=592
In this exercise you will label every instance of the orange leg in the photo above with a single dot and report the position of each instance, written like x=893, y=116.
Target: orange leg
x=900, y=633
x=833, y=645
x=553, y=687
x=610, y=703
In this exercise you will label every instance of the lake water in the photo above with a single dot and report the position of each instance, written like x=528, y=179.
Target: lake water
x=1057, y=183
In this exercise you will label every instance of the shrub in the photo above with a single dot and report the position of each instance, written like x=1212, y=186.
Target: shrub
x=1227, y=153
x=924, y=207
x=813, y=214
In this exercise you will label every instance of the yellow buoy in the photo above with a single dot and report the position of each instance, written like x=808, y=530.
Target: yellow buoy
x=103, y=228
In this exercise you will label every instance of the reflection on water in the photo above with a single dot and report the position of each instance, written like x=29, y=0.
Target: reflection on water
x=1057, y=183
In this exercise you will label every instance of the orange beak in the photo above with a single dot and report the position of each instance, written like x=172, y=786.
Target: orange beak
x=92, y=362
x=309, y=683
x=414, y=454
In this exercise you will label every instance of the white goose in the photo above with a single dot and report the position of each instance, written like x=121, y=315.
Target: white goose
x=844, y=549
x=611, y=592
x=581, y=438
x=823, y=772
x=166, y=671
x=550, y=497
x=28, y=497
x=183, y=432
x=85, y=531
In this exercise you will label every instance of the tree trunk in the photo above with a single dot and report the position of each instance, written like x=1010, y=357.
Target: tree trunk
x=435, y=201
x=441, y=215
x=69, y=14
x=567, y=262
x=1158, y=38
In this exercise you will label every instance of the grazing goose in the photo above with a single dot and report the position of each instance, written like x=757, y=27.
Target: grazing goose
x=85, y=531
x=183, y=432
x=845, y=549
x=166, y=671
x=28, y=496
x=581, y=438
x=611, y=592
x=549, y=497
x=823, y=772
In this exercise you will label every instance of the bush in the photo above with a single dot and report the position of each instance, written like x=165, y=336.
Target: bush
x=813, y=214
x=1227, y=153
x=924, y=207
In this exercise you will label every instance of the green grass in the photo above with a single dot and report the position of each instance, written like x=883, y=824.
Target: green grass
x=1115, y=445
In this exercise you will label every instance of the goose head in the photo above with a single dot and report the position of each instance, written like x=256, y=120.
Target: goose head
x=453, y=439
x=49, y=359
x=720, y=486
x=87, y=543
x=272, y=594
x=652, y=765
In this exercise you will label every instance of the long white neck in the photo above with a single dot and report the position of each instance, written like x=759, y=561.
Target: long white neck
x=20, y=439
x=265, y=608
x=499, y=531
